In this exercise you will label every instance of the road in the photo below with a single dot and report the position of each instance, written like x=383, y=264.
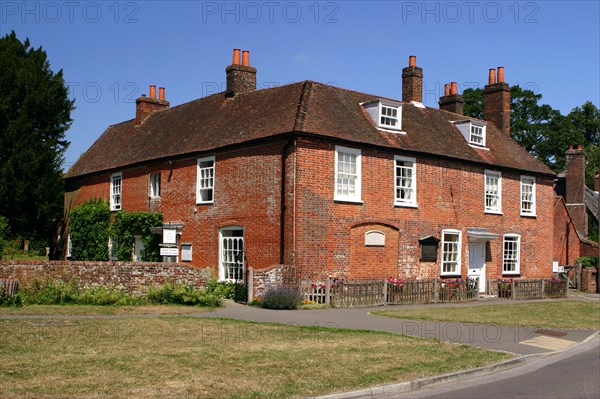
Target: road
x=574, y=373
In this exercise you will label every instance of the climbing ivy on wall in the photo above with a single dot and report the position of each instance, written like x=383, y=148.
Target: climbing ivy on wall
x=127, y=225
x=89, y=227
x=91, y=224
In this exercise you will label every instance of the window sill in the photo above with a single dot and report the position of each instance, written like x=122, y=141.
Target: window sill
x=493, y=212
x=451, y=275
x=529, y=215
x=479, y=147
x=403, y=205
x=512, y=274
x=205, y=203
x=388, y=130
x=347, y=201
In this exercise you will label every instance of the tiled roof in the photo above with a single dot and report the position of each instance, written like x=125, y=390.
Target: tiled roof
x=307, y=107
x=591, y=201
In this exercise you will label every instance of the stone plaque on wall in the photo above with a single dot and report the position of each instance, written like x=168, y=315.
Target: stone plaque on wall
x=374, y=238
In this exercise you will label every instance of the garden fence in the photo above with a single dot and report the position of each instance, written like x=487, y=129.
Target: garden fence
x=9, y=286
x=517, y=288
x=356, y=293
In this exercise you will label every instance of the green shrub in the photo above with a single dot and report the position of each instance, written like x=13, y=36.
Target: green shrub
x=89, y=226
x=588, y=261
x=129, y=224
x=4, y=232
x=281, y=298
x=10, y=300
x=181, y=294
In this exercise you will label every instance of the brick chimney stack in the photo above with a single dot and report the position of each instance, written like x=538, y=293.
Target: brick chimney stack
x=412, y=81
x=241, y=78
x=575, y=188
x=144, y=106
x=451, y=101
x=496, y=101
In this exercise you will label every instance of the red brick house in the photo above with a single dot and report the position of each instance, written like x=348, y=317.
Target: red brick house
x=329, y=181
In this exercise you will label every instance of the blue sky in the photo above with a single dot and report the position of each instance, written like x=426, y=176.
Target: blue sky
x=111, y=51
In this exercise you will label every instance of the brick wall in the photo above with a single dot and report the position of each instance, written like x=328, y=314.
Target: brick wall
x=132, y=277
x=588, y=279
x=326, y=238
x=272, y=277
x=247, y=194
x=449, y=195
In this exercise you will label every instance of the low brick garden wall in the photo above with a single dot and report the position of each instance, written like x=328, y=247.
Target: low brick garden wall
x=132, y=277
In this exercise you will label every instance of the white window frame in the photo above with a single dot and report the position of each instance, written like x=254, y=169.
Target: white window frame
x=358, y=175
x=223, y=256
x=155, y=185
x=412, y=202
x=116, y=198
x=398, y=116
x=498, y=208
x=471, y=134
x=457, y=262
x=505, y=255
x=532, y=211
x=202, y=180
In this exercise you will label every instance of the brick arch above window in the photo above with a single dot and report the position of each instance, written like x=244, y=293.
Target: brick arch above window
x=374, y=223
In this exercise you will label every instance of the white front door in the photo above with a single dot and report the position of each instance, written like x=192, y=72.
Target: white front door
x=477, y=263
x=231, y=254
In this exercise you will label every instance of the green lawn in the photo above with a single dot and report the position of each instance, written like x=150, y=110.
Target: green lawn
x=559, y=314
x=175, y=357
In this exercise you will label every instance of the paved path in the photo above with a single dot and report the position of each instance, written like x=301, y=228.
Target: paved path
x=519, y=340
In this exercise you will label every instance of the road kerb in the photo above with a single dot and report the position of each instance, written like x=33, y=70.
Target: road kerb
x=409, y=386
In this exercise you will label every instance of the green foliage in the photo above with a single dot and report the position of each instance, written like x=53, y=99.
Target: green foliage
x=181, y=294
x=588, y=261
x=35, y=113
x=228, y=290
x=4, y=233
x=281, y=298
x=127, y=225
x=544, y=132
x=10, y=300
x=89, y=228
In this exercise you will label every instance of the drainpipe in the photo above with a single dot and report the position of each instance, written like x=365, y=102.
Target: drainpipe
x=282, y=206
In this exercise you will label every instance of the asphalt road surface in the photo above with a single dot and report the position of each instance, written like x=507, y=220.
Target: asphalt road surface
x=574, y=373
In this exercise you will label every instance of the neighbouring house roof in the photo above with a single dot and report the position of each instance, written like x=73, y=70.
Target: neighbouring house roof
x=591, y=201
x=307, y=107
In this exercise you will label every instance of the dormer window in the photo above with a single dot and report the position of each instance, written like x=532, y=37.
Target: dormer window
x=477, y=135
x=389, y=117
x=473, y=131
x=386, y=114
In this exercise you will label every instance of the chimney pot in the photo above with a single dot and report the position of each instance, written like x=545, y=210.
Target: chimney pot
x=570, y=146
x=500, y=74
x=447, y=89
x=492, y=76
x=246, y=58
x=236, y=57
x=579, y=147
x=241, y=78
x=454, y=88
x=152, y=91
x=412, y=81
x=161, y=93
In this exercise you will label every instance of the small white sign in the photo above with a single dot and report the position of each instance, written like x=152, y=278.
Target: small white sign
x=555, y=267
x=186, y=252
x=169, y=236
x=375, y=238
x=169, y=252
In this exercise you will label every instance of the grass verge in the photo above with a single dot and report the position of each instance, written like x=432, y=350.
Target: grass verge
x=91, y=310
x=174, y=357
x=559, y=314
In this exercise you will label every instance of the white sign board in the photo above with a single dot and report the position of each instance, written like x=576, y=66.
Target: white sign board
x=555, y=266
x=169, y=236
x=169, y=252
x=186, y=252
x=375, y=238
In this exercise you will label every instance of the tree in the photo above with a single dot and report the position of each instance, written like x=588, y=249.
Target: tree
x=543, y=131
x=35, y=113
